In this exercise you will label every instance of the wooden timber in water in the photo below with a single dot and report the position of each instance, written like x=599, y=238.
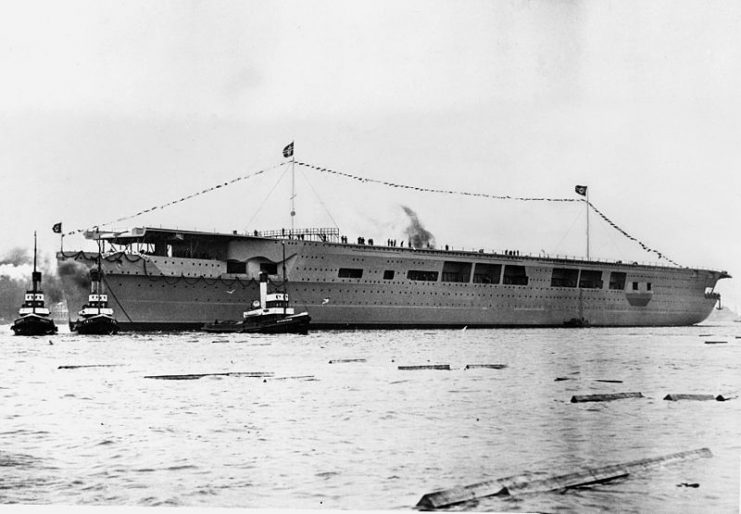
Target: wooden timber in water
x=532, y=483
x=580, y=398
x=699, y=397
x=426, y=366
x=196, y=376
x=490, y=366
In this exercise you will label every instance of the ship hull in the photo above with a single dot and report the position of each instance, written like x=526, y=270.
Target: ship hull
x=95, y=325
x=361, y=287
x=33, y=326
x=271, y=324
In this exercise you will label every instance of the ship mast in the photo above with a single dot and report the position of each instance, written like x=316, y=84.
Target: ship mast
x=285, y=285
x=293, y=190
x=35, y=276
x=587, y=203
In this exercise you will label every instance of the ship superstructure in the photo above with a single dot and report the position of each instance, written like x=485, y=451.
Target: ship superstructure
x=174, y=279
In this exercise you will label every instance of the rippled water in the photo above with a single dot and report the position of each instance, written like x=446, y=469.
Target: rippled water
x=364, y=434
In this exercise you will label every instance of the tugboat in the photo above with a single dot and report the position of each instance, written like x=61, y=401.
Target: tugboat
x=96, y=317
x=269, y=315
x=34, y=316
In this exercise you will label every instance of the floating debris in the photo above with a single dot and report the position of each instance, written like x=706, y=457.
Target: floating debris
x=532, y=483
x=698, y=397
x=196, y=376
x=603, y=397
x=426, y=366
x=338, y=361
x=716, y=342
x=704, y=335
x=561, y=379
x=609, y=381
x=290, y=378
x=490, y=366
x=90, y=366
x=686, y=484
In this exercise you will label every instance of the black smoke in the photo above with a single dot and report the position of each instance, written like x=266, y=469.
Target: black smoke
x=15, y=282
x=419, y=237
x=75, y=272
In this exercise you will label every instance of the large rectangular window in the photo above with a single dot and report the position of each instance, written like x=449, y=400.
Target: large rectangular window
x=617, y=280
x=427, y=276
x=515, y=275
x=350, y=273
x=590, y=279
x=236, y=267
x=456, y=271
x=564, y=277
x=487, y=273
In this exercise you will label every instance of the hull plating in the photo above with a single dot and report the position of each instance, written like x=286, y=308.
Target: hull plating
x=162, y=293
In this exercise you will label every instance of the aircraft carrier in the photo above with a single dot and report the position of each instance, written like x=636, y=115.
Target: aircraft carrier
x=170, y=279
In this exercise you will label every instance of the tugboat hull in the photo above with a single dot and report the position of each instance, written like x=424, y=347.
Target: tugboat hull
x=33, y=326
x=296, y=324
x=98, y=325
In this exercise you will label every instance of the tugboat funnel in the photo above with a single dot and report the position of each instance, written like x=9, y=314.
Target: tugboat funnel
x=263, y=290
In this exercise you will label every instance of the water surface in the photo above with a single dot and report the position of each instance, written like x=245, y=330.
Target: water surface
x=364, y=434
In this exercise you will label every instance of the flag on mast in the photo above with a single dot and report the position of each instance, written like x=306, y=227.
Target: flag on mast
x=57, y=228
x=288, y=150
x=581, y=190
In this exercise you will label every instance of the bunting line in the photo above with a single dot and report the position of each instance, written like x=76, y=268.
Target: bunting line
x=493, y=197
x=179, y=200
x=365, y=180
x=431, y=190
x=623, y=232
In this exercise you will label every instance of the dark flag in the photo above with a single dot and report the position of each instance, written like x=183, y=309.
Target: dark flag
x=57, y=228
x=288, y=150
x=582, y=190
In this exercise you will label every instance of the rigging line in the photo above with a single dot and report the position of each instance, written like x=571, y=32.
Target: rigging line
x=485, y=195
x=433, y=190
x=320, y=199
x=576, y=218
x=623, y=232
x=280, y=179
x=173, y=202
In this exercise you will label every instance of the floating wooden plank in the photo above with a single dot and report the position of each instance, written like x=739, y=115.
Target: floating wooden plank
x=89, y=366
x=716, y=342
x=531, y=483
x=580, y=398
x=291, y=378
x=561, y=379
x=704, y=335
x=196, y=376
x=489, y=366
x=698, y=397
x=339, y=361
x=609, y=381
x=426, y=366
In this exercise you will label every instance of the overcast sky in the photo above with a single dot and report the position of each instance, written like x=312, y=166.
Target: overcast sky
x=109, y=108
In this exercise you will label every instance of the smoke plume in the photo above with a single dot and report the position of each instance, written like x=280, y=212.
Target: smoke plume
x=16, y=257
x=15, y=278
x=74, y=271
x=419, y=237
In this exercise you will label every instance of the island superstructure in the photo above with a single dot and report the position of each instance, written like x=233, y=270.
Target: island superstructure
x=171, y=279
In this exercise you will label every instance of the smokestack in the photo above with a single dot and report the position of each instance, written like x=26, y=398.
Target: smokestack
x=419, y=237
x=263, y=290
